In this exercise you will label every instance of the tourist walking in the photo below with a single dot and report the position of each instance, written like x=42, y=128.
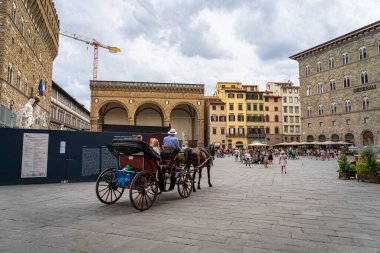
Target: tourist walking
x=283, y=161
x=265, y=158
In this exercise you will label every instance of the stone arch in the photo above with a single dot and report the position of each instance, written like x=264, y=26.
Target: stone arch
x=310, y=138
x=184, y=118
x=149, y=114
x=334, y=137
x=367, y=138
x=239, y=144
x=112, y=113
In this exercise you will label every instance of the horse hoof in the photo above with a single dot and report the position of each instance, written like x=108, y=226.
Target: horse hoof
x=194, y=190
x=199, y=187
x=210, y=185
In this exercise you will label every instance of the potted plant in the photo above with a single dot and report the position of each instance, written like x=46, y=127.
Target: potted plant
x=346, y=169
x=368, y=169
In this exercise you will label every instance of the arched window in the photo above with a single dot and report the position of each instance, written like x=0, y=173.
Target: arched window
x=346, y=81
x=276, y=130
x=365, y=103
x=347, y=106
x=14, y=12
x=362, y=53
x=364, y=77
x=308, y=111
x=307, y=70
x=333, y=108
x=321, y=110
x=19, y=80
x=349, y=137
x=322, y=138
x=22, y=26
x=26, y=88
x=319, y=67
x=332, y=84
x=335, y=137
x=10, y=73
x=29, y=39
x=308, y=90
x=267, y=130
x=331, y=63
x=319, y=88
x=276, y=118
x=345, y=58
x=310, y=138
x=267, y=118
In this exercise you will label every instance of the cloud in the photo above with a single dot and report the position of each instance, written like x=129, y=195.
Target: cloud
x=194, y=41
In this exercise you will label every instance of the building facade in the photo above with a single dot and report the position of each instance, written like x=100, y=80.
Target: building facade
x=66, y=112
x=29, y=33
x=149, y=104
x=215, y=114
x=244, y=111
x=340, y=88
x=291, y=111
x=273, y=118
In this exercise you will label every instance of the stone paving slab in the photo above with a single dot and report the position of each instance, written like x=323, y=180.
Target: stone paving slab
x=248, y=210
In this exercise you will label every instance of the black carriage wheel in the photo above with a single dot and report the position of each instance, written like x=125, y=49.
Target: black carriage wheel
x=106, y=189
x=185, y=183
x=143, y=190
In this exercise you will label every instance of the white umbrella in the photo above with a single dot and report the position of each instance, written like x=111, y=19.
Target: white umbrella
x=258, y=144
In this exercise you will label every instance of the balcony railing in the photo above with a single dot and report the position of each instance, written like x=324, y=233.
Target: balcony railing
x=256, y=135
x=236, y=135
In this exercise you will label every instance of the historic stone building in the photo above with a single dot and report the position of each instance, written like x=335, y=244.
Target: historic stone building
x=291, y=114
x=29, y=31
x=273, y=118
x=149, y=104
x=340, y=88
x=244, y=111
x=66, y=112
x=215, y=113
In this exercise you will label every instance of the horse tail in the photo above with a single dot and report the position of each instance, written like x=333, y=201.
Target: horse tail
x=187, y=154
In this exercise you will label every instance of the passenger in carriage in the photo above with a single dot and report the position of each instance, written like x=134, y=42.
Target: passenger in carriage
x=155, y=144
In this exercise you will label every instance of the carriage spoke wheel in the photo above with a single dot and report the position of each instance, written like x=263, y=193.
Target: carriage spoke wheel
x=185, y=183
x=106, y=189
x=143, y=190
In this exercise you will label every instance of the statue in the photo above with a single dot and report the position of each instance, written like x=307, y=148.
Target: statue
x=27, y=116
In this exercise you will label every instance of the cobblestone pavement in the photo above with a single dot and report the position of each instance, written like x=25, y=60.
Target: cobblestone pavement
x=248, y=210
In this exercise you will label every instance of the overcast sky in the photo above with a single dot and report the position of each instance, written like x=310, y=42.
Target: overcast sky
x=194, y=41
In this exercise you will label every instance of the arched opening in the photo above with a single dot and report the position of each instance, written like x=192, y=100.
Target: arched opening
x=239, y=144
x=334, y=137
x=267, y=118
x=349, y=138
x=112, y=113
x=267, y=130
x=184, y=118
x=368, y=138
x=149, y=114
x=310, y=138
x=276, y=130
x=322, y=138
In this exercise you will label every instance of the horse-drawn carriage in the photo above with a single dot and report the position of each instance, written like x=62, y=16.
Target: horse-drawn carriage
x=140, y=169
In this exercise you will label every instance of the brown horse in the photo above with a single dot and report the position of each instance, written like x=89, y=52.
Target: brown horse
x=199, y=158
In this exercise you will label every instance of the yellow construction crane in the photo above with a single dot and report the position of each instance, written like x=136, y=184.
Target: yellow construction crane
x=96, y=45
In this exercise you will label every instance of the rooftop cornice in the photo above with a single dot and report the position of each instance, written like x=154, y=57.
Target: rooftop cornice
x=338, y=40
x=146, y=86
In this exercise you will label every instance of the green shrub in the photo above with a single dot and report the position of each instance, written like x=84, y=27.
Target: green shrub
x=368, y=163
x=345, y=166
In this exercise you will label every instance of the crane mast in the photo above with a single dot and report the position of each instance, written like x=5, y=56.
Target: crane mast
x=96, y=45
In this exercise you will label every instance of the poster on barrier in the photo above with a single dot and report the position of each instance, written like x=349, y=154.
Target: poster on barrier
x=34, y=155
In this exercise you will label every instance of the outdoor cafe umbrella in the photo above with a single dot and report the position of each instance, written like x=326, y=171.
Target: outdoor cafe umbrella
x=258, y=144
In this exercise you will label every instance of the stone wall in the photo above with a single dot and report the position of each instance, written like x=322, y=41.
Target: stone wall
x=317, y=125
x=30, y=50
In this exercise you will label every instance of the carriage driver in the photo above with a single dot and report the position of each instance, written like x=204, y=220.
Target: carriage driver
x=171, y=148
